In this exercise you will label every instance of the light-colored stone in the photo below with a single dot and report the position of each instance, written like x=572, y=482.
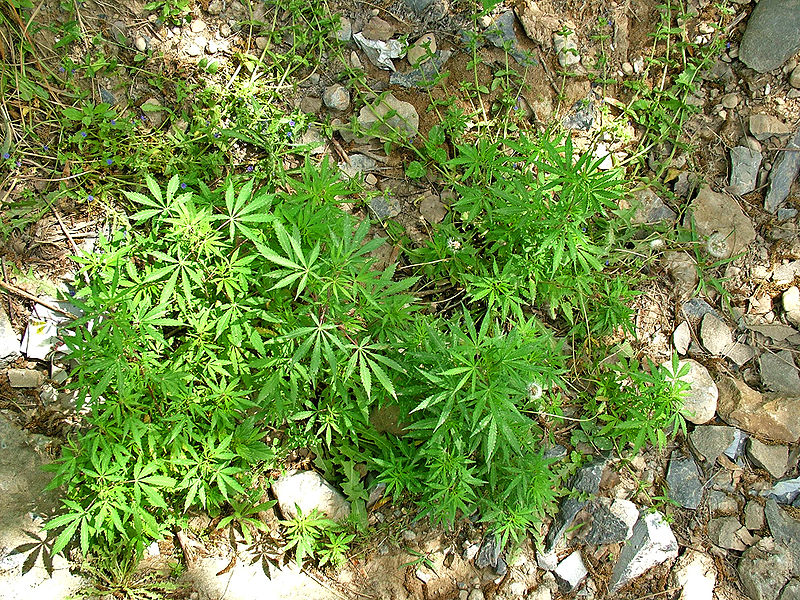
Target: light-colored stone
x=764, y=569
x=9, y=342
x=791, y=304
x=650, y=208
x=652, y=543
x=779, y=373
x=336, y=97
x=197, y=26
x=345, y=31
x=140, y=43
x=571, y=572
x=695, y=574
x=794, y=77
x=700, y=402
x=723, y=532
x=768, y=416
x=682, y=268
x=764, y=126
x=773, y=459
x=24, y=378
x=308, y=491
x=753, y=516
x=432, y=209
x=715, y=335
x=378, y=29
x=378, y=52
x=418, y=52
x=358, y=165
x=389, y=118
x=717, y=213
x=682, y=337
x=566, y=49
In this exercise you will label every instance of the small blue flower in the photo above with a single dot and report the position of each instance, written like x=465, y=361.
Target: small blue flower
x=606, y=263
x=109, y=161
x=90, y=198
x=83, y=134
x=291, y=123
x=143, y=118
x=183, y=186
x=19, y=164
x=289, y=134
x=216, y=135
x=249, y=168
x=62, y=70
x=45, y=147
x=6, y=155
x=113, y=121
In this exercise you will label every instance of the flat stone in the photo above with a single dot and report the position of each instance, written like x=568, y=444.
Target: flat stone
x=389, y=118
x=311, y=105
x=651, y=544
x=697, y=308
x=140, y=43
x=784, y=528
x=785, y=272
x=197, y=26
x=537, y=24
x=193, y=49
x=336, y=97
x=345, y=32
x=791, y=590
x=790, y=299
x=710, y=441
x=754, y=516
x=587, y=482
x=720, y=503
x=745, y=164
x=612, y=520
x=432, y=209
x=740, y=353
x=773, y=459
x=24, y=378
x=696, y=575
x=682, y=268
x=312, y=137
x=786, y=491
x=308, y=491
x=716, y=213
x=772, y=35
x=723, y=532
x=378, y=29
x=421, y=50
x=764, y=569
x=570, y=572
x=683, y=481
x=736, y=448
x=763, y=126
x=768, y=416
x=650, y=208
x=783, y=173
x=700, y=401
x=385, y=207
x=682, y=337
x=41, y=337
x=424, y=75
x=779, y=373
x=501, y=33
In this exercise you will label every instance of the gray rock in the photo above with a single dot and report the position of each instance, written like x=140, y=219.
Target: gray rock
x=312, y=138
x=586, y=480
x=424, y=76
x=24, y=378
x=581, y=117
x=696, y=575
x=720, y=503
x=378, y=30
x=570, y=572
x=783, y=173
x=779, y=373
x=724, y=532
x=336, y=97
x=764, y=569
x=736, y=449
x=9, y=342
x=612, y=521
x=715, y=213
x=711, y=441
x=385, y=207
x=700, y=401
x=763, y=126
x=740, y=353
x=697, y=308
x=772, y=35
x=215, y=7
x=308, y=491
x=547, y=561
x=501, y=33
x=345, y=31
x=715, y=335
x=794, y=77
x=683, y=480
x=785, y=492
x=745, y=164
x=311, y=105
x=389, y=118
x=378, y=52
x=792, y=589
x=652, y=543
x=489, y=555
x=566, y=49
x=153, y=111
x=682, y=337
x=784, y=529
x=682, y=268
x=651, y=208
x=421, y=50
x=754, y=516
x=432, y=209
x=418, y=6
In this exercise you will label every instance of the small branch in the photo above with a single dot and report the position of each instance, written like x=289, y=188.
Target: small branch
x=71, y=241
x=32, y=298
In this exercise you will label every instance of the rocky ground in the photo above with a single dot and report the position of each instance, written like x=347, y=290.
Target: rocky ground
x=713, y=516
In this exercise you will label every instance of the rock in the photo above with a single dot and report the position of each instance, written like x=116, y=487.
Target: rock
x=612, y=521
x=783, y=173
x=194, y=49
x=715, y=213
x=547, y=561
x=772, y=35
x=197, y=26
x=740, y=353
x=421, y=50
x=586, y=480
x=773, y=459
x=769, y=416
x=720, y=503
x=476, y=594
x=736, y=448
x=501, y=34
x=794, y=77
x=745, y=164
x=792, y=589
x=378, y=30
x=570, y=572
x=700, y=401
x=424, y=75
x=650, y=208
x=715, y=335
x=764, y=569
x=695, y=574
x=489, y=553
x=683, y=270
x=312, y=137
x=682, y=337
x=311, y=105
x=9, y=342
x=566, y=49
x=697, y=308
x=729, y=101
x=724, y=532
x=581, y=116
x=753, y=516
x=652, y=543
x=261, y=42
x=764, y=126
x=432, y=209
x=538, y=25
x=779, y=373
x=140, y=43
x=308, y=491
x=388, y=118
x=345, y=31
x=791, y=305
x=710, y=441
x=336, y=97
x=358, y=165
x=385, y=207
x=786, y=492
x=683, y=481
x=24, y=378
x=784, y=528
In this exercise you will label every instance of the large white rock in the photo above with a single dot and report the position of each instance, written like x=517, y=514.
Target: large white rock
x=652, y=543
x=308, y=490
x=696, y=575
x=700, y=402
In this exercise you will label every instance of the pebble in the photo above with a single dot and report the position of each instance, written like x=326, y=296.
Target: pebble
x=212, y=47
x=345, y=31
x=791, y=304
x=785, y=172
x=696, y=574
x=355, y=62
x=720, y=503
x=24, y=378
x=745, y=163
x=193, y=49
x=140, y=43
x=683, y=481
x=378, y=29
x=779, y=373
x=773, y=459
x=224, y=30
x=730, y=100
x=763, y=126
x=336, y=97
x=794, y=77
x=753, y=516
x=197, y=26
x=700, y=401
x=724, y=532
x=715, y=335
x=652, y=543
x=261, y=42
x=215, y=7
x=570, y=572
x=627, y=68
x=682, y=337
x=421, y=50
